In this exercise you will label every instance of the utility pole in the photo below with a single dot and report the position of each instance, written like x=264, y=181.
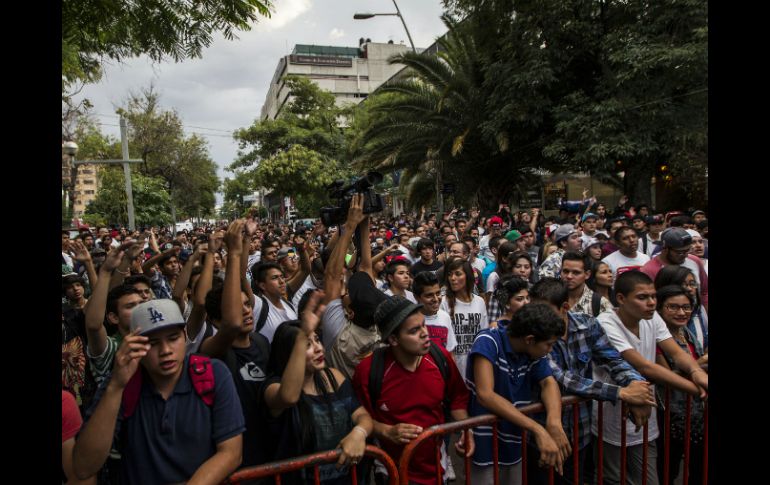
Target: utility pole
x=125, y=161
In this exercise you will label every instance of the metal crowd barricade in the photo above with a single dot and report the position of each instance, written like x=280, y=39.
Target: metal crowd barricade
x=437, y=433
x=277, y=468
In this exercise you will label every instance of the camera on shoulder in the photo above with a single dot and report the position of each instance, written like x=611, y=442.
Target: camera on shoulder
x=342, y=195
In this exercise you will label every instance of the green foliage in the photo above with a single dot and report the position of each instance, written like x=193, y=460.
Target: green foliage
x=183, y=163
x=151, y=200
x=581, y=84
x=296, y=154
x=96, y=30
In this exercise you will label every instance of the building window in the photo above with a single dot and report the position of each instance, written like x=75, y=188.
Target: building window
x=89, y=192
x=89, y=181
x=87, y=171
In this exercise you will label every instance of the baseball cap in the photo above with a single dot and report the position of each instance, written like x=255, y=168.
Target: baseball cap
x=698, y=212
x=693, y=233
x=495, y=220
x=601, y=233
x=391, y=313
x=154, y=315
x=413, y=242
x=590, y=241
x=283, y=252
x=551, y=229
x=589, y=215
x=675, y=237
x=565, y=230
x=512, y=235
x=653, y=220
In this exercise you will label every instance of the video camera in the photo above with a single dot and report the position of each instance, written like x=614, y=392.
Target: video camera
x=336, y=215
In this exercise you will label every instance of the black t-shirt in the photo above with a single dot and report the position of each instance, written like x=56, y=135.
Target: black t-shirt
x=248, y=366
x=332, y=422
x=419, y=267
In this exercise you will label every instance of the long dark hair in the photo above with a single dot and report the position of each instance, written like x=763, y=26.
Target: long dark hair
x=504, y=264
x=280, y=352
x=674, y=274
x=451, y=265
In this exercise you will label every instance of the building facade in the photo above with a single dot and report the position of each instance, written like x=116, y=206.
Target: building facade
x=350, y=73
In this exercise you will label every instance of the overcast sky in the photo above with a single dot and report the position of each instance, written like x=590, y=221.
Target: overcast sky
x=225, y=89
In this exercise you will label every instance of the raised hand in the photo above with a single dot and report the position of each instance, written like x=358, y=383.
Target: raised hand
x=234, y=236
x=127, y=358
x=215, y=241
x=356, y=211
x=112, y=261
x=81, y=253
x=311, y=317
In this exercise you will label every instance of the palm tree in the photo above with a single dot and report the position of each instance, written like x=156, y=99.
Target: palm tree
x=436, y=118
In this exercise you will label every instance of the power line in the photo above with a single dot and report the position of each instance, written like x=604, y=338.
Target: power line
x=183, y=125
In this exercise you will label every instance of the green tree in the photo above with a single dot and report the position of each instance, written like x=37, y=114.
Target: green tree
x=97, y=30
x=432, y=124
x=151, y=200
x=183, y=163
x=582, y=84
x=298, y=153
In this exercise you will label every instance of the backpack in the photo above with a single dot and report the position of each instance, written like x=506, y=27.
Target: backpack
x=377, y=372
x=596, y=304
x=201, y=373
x=644, y=244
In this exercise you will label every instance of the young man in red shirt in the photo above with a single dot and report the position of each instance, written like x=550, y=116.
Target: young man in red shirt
x=413, y=389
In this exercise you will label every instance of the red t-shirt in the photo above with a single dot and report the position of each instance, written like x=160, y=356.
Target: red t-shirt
x=413, y=398
x=70, y=417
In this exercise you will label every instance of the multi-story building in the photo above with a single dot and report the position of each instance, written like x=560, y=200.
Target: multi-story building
x=86, y=186
x=350, y=73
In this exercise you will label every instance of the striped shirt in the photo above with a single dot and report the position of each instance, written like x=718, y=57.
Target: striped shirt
x=515, y=376
x=101, y=365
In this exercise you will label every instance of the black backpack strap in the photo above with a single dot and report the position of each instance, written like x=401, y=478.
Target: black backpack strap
x=644, y=244
x=596, y=303
x=262, y=314
x=443, y=367
x=376, y=373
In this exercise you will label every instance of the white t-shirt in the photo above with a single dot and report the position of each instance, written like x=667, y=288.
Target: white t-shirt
x=440, y=328
x=306, y=285
x=275, y=316
x=492, y=280
x=408, y=295
x=650, y=333
x=479, y=264
x=469, y=319
x=617, y=261
x=332, y=322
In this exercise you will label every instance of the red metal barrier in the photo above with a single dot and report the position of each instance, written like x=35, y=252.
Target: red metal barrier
x=275, y=469
x=486, y=419
x=438, y=431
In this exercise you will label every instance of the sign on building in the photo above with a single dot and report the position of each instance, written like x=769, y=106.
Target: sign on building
x=321, y=60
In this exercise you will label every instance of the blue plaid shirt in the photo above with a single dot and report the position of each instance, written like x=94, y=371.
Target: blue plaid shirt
x=571, y=364
x=160, y=286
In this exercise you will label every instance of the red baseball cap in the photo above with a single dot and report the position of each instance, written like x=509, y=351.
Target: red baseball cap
x=495, y=220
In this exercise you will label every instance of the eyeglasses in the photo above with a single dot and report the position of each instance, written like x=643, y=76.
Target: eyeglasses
x=673, y=308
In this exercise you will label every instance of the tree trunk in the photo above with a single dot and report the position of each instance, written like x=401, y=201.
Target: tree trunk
x=638, y=181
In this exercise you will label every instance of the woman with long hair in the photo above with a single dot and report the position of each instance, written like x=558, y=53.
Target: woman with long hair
x=601, y=281
x=546, y=249
x=311, y=406
x=466, y=310
x=675, y=304
x=681, y=276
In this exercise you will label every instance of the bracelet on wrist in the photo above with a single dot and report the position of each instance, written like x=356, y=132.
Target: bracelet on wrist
x=361, y=429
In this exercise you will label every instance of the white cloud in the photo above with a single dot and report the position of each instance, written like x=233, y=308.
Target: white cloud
x=336, y=33
x=283, y=12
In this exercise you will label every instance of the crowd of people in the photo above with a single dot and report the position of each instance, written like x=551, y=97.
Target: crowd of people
x=187, y=356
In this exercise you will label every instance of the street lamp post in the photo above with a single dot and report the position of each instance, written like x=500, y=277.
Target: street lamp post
x=364, y=16
x=69, y=148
